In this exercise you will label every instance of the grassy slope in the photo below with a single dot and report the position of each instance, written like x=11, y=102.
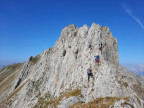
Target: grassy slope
x=7, y=71
x=8, y=76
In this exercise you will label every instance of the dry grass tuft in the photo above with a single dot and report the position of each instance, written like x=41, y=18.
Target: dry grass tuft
x=35, y=60
x=54, y=102
x=75, y=92
x=99, y=103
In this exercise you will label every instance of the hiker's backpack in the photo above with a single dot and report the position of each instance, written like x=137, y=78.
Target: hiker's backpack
x=96, y=57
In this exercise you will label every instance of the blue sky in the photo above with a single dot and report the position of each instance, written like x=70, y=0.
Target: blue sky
x=27, y=27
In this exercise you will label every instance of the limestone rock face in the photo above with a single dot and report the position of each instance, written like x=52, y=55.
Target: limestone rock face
x=58, y=76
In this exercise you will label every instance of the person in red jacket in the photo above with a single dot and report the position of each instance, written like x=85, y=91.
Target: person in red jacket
x=97, y=59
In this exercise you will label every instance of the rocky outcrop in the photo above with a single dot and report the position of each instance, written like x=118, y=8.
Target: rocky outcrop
x=58, y=78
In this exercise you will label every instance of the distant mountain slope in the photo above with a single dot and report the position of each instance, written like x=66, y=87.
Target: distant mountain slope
x=138, y=69
x=1, y=66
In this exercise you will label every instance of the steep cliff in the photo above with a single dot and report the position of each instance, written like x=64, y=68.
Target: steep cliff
x=58, y=76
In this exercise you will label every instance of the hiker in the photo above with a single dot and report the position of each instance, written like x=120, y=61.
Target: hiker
x=89, y=72
x=97, y=59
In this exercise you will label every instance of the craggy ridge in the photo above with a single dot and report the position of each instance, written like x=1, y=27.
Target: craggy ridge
x=58, y=78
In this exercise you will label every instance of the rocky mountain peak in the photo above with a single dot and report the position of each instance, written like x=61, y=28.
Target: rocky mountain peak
x=58, y=76
x=97, y=38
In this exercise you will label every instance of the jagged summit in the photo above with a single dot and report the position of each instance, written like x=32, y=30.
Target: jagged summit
x=99, y=38
x=94, y=27
x=58, y=76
